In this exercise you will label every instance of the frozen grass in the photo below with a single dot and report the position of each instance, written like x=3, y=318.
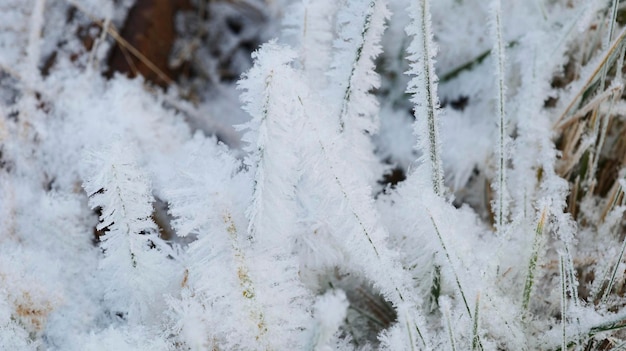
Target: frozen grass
x=349, y=200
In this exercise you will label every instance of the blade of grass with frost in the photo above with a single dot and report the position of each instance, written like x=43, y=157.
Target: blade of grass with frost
x=349, y=207
x=534, y=147
x=618, y=213
x=614, y=322
x=269, y=97
x=599, y=117
x=621, y=346
x=572, y=288
x=595, y=103
x=500, y=187
x=475, y=336
x=310, y=24
x=368, y=250
x=529, y=126
x=446, y=313
x=449, y=259
x=532, y=263
x=600, y=135
x=423, y=87
x=361, y=25
x=617, y=322
x=135, y=262
x=609, y=38
x=593, y=73
x=352, y=78
x=607, y=292
x=563, y=280
x=582, y=18
x=619, y=77
x=209, y=201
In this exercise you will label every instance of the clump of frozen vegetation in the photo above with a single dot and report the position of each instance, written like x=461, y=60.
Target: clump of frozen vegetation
x=410, y=175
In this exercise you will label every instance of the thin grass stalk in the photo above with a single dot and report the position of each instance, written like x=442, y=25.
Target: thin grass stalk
x=571, y=25
x=590, y=106
x=499, y=50
x=616, y=323
x=604, y=124
x=619, y=74
x=612, y=22
x=123, y=43
x=411, y=324
x=431, y=91
x=471, y=64
x=446, y=314
x=572, y=208
x=619, y=347
x=563, y=303
x=594, y=40
x=573, y=288
x=92, y=62
x=584, y=145
x=513, y=329
x=596, y=288
x=456, y=276
x=609, y=37
x=588, y=177
x=571, y=139
x=609, y=287
x=423, y=88
x=475, y=336
x=532, y=263
x=571, y=274
x=447, y=254
x=616, y=195
x=347, y=94
x=435, y=289
x=606, y=59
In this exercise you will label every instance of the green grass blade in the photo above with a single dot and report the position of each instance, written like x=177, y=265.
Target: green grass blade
x=532, y=263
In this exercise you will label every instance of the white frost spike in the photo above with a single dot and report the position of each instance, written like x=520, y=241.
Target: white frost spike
x=134, y=264
x=271, y=99
x=360, y=26
x=423, y=87
x=268, y=98
x=501, y=206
